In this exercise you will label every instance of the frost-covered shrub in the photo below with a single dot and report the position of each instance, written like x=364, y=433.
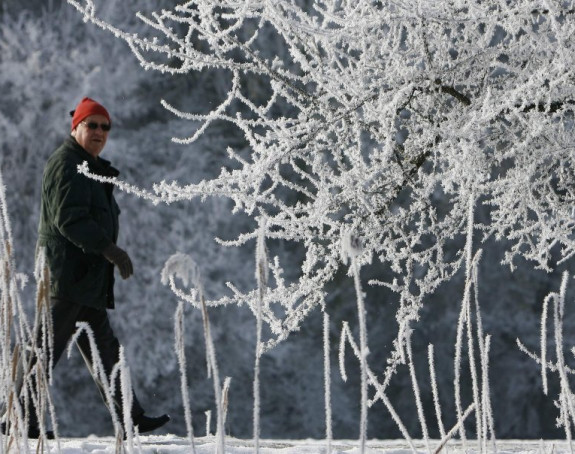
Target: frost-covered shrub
x=379, y=119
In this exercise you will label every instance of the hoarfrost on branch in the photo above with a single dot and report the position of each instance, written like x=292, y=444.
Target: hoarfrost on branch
x=380, y=118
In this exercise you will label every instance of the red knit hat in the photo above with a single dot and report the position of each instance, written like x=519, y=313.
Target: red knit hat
x=85, y=108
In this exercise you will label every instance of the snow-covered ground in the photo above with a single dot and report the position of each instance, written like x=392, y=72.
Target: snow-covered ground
x=172, y=444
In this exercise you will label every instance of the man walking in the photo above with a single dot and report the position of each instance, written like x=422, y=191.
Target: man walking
x=78, y=230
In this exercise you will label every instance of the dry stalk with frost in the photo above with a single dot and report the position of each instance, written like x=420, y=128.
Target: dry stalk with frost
x=99, y=374
x=262, y=283
x=327, y=383
x=417, y=392
x=179, y=331
x=565, y=401
x=434, y=390
x=183, y=267
x=25, y=349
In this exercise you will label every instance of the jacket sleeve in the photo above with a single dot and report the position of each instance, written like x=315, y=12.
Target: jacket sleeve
x=73, y=214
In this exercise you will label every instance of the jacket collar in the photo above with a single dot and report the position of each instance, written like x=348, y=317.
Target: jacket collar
x=97, y=165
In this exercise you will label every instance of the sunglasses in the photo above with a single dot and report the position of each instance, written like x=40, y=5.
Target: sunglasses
x=93, y=125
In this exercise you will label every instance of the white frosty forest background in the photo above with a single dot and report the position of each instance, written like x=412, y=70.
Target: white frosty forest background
x=50, y=59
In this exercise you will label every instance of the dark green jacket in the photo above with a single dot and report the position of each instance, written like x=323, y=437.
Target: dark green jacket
x=78, y=219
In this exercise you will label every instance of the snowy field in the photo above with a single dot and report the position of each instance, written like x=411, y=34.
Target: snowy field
x=172, y=444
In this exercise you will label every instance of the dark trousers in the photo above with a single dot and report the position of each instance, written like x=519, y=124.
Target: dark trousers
x=65, y=315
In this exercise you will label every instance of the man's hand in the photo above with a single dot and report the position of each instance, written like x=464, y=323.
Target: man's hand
x=120, y=258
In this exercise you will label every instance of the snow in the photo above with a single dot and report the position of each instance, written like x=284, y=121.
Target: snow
x=172, y=444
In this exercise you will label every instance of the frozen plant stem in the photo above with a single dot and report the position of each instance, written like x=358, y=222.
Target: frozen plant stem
x=488, y=424
x=99, y=374
x=416, y=393
x=261, y=277
x=208, y=414
x=436, y=402
x=565, y=397
x=363, y=352
x=179, y=329
x=126, y=387
x=380, y=389
x=548, y=298
x=327, y=382
x=465, y=320
x=454, y=429
x=220, y=444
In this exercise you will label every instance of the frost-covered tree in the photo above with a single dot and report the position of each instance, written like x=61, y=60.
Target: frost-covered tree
x=382, y=119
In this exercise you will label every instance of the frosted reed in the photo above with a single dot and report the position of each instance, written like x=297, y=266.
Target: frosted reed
x=457, y=367
x=211, y=353
x=567, y=412
x=465, y=321
x=416, y=392
x=470, y=275
x=225, y=399
x=208, y=414
x=341, y=352
x=488, y=423
x=127, y=398
x=474, y=374
x=351, y=248
x=327, y=382
x=179, y=345
x=434, y=390
x=543, y=349
x=25, y=374
x=99, y=374
x=182, y=266
x=43, y=322
x=455, y=428
x=261, y=277
x=380, y=389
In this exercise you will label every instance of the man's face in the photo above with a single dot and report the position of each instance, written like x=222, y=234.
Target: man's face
x=92, y=140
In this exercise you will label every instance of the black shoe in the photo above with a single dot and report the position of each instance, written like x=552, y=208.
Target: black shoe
x=33, y=432
x=147, y=423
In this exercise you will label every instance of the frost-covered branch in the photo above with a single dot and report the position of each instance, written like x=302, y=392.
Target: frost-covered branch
x=377, y=119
